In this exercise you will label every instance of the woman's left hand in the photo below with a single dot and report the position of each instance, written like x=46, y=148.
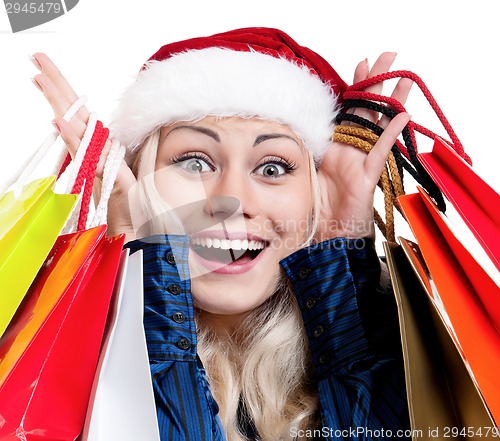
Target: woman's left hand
x=348, y=176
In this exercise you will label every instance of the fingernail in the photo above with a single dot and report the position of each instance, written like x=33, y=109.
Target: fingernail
x=37, y=84
x=35, y=62
x=54, y=123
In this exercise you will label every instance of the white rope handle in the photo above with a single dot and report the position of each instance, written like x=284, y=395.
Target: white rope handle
x=21, y=176
x=76, y=163
x=111, y=168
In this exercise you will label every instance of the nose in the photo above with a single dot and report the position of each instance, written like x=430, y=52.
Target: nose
x=229, y=189
x=221, y=207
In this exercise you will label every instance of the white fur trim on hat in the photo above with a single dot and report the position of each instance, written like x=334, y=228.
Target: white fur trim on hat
x=216, y=81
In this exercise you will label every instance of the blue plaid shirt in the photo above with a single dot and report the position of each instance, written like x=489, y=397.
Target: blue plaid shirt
x=350, y=321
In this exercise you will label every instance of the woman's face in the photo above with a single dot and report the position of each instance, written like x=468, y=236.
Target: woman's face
x=242, y=188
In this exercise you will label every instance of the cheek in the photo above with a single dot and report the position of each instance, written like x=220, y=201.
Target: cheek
x=289, y=215
x=168, y=182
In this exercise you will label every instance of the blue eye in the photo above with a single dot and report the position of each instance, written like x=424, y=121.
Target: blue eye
x=275, y=168
x=271, y=170
x=193, y=164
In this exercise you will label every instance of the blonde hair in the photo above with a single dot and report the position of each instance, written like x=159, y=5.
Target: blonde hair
x=265, y=366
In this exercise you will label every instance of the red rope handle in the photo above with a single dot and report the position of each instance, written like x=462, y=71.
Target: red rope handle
x=88, y=170
x=64, y=166
x=356, y=91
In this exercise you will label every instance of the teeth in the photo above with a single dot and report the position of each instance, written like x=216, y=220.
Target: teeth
x=225, y=244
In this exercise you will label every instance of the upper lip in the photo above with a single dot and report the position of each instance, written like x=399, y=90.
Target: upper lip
x=221, y=234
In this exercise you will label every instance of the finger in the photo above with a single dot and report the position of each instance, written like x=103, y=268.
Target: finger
x=362, y=70
x=68, y=135
x=50, y=70
x=402, y=90
x=360, y=73
x=381, y=65
x=60, y=103
x=376, y=159
x=400, y=93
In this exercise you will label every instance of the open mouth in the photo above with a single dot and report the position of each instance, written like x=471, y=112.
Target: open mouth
x=225, y=251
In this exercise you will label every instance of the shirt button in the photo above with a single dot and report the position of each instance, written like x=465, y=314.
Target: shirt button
x=318, y=331
x=323, y=359
x=174, y=289
x=303, y=273
x=179, y=317
x=170, y=258
x=310, y=303
x=183, y=343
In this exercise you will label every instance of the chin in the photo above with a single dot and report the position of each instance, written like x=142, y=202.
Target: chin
x=230, y=297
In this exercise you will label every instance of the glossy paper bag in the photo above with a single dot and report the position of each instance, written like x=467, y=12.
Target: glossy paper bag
x=441, y=392
x=49, y=352
x=122, y=405
x=471, y=311
x=477, y=203
x=29, y=225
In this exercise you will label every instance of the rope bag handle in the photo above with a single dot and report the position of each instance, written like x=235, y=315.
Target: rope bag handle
x=87, y=157
x=356, y=91
x=405, y=155
x=25, y=171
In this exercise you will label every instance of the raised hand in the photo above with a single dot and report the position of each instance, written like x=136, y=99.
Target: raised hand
x=60, y=96
x=348, y=176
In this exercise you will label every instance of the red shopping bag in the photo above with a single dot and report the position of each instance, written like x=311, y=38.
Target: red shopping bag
x=477, y=203
x=470, y=298
x=49, y=353
x=50, y=350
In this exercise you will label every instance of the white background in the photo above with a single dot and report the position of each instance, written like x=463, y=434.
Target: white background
x=100, y=45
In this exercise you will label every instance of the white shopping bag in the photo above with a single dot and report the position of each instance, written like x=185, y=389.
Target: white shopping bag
x=122, y=406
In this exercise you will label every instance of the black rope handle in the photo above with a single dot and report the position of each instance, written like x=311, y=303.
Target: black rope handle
x=411, y=165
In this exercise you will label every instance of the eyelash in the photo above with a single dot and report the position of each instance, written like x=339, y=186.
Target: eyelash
x=193, y=155
x=288, y=165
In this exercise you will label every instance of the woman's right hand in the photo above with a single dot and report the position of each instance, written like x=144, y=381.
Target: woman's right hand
x=61, y=96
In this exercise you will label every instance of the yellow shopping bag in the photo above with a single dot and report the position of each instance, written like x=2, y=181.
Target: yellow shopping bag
x=32, y=216
x=29, y=226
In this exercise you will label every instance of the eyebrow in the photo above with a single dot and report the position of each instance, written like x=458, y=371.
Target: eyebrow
x=215, y=136
x=266, y=136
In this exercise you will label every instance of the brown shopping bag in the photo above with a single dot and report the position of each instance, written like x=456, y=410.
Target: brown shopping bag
x=443, y=399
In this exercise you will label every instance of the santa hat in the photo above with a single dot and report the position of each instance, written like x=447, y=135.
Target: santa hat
x=251, y=72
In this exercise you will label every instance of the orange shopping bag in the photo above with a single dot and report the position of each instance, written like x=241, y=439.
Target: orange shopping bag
x=468, y=294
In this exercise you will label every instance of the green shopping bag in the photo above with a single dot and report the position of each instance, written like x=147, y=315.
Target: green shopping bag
x=32, y=216
x=29, y=226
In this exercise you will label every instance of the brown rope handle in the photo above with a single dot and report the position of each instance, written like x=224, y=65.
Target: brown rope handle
x=390, y=179
x=359, y=132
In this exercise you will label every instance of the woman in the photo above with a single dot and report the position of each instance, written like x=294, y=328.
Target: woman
x=264, y=312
